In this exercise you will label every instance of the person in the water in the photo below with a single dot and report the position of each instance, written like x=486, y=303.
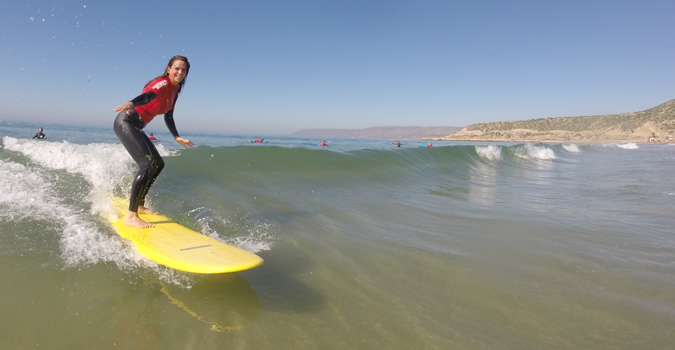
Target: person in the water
x=158, y=97
x=40, y=135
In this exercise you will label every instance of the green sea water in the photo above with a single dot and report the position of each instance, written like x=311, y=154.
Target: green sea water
x=366, y=245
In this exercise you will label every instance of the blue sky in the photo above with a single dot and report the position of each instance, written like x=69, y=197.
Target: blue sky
x=275, y=67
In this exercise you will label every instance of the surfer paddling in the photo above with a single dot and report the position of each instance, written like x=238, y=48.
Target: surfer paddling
x=158, y=97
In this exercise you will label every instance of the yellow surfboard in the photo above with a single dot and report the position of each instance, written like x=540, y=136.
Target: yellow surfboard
x=180, y=248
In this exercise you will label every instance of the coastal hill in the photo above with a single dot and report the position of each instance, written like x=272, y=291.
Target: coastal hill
x=652, y=125
x=381, y=132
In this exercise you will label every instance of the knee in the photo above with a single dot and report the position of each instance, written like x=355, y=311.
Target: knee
x=157, y=166
x=142, y=175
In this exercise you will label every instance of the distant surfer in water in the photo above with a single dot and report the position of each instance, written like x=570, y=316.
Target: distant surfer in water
x=40, y=135
x=158, y=97
x=152, y=137
x=323, y=143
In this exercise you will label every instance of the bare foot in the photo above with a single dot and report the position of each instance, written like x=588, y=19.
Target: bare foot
x=133, y=220
x=144, y=210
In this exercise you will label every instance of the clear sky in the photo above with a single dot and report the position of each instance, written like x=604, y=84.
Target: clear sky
x=277, y=66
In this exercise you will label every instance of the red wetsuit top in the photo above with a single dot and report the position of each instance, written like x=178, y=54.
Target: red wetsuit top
x=165, y=98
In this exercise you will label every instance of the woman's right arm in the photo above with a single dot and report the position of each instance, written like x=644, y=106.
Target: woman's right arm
x=137, y=101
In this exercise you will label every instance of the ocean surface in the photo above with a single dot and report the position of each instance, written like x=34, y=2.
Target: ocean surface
x=366, y=245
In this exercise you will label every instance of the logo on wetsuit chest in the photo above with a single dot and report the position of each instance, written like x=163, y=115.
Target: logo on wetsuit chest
x=149, y=157
x=159, y=84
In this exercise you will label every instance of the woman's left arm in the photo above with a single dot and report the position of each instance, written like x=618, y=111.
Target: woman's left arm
x=168, y=119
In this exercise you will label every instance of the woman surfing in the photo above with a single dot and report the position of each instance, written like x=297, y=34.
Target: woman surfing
x=158, y=97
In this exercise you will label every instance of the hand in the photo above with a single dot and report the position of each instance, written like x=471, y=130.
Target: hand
x=124, y=107
x=184, y=142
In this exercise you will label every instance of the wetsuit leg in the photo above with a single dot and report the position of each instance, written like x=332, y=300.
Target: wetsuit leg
x=129, y=129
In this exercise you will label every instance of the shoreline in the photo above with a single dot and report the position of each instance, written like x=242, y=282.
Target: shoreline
x=530, y=135
x=551, y=140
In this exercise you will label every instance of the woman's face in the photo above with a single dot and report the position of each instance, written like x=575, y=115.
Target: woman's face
x=177, y=71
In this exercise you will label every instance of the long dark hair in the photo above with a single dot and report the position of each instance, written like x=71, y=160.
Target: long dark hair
x=165, y=74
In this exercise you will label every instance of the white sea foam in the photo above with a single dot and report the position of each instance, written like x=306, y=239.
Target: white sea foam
x=529, y=151
x=27, y=194
x=24, y=192
x=257, y=239
x=570, y=147
x=628, y=145
x=489, y=152
x=101, y=165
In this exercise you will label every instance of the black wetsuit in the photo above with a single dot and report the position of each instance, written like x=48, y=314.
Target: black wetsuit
x=128, y=127
x=40, y=136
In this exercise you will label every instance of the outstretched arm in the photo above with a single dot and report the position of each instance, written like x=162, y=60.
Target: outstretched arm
x=168, y=119
x=137, y=101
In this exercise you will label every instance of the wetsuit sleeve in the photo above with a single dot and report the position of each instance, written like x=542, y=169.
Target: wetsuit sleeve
x=168, y=119
x=143, y=98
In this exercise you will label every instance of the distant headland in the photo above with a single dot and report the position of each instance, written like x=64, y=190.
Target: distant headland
x=655, y=125
x=652, y=125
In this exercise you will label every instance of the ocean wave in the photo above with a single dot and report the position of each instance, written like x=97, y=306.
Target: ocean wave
x=571, y=147
x=70, y=185
x=628, y=145
x=531, y=151
x=27, y=194
x=489, y=152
